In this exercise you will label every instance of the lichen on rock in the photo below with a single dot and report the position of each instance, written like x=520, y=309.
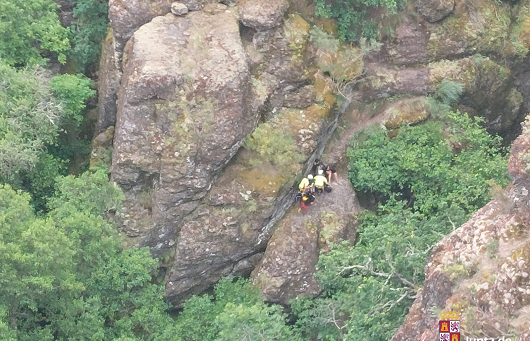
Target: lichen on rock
x=262, y=15
x=405, y=112
x=488, y=88
x=434, y=10
x=478, y=26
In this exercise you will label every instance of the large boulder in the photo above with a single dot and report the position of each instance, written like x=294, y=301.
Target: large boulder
x=482, y=269
x=262, y=15
x=405, y=112
x=288, y=266
x=181, y=116
x=434, y=10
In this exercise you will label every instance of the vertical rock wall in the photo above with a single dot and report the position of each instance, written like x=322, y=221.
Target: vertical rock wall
x=181, y=116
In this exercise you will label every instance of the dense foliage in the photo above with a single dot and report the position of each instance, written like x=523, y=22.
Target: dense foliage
x=65, y=275
x=236, y=313
x=31, y=33
x=35, y=115
x=429, y=179
x=353, y=21
x=86, y=32
x=29, y=30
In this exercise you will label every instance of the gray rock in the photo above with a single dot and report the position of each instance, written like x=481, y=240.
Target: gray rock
x=214, y=8
x=435, y=10
x=178, y=8
x=181, y=117
x=229, y=229
x=301, y=98
x=193, y=5
x=229, y=3
x=262, y=15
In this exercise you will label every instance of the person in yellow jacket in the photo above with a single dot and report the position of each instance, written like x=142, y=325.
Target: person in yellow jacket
x=320, y=181
x=305, y=183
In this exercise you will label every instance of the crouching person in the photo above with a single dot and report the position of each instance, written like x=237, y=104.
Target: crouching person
x=320, y=182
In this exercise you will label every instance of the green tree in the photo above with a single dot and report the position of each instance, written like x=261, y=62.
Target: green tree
x=29, y=30
x=72, y=91
x=29, y=116
x=258, y=322
x=87, y=32
x=235, y=312
x=66, y=276
x=37, y=119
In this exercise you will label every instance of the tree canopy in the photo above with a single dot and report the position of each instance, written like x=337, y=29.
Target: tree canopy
x=65, y=275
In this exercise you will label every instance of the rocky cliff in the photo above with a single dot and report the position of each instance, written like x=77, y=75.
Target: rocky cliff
x=218, y=110
x=193, y=89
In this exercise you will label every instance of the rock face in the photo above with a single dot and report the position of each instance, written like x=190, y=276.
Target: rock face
x=434, y=10
x=181, y=116
x=483, y=268
x=108, y=84
x=288, y=265
x=178, y=8
x=191, y=91
x=262, y=15
x=488, y=88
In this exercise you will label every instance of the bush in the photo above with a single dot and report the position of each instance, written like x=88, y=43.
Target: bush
x=273, y=144
x=429, y=169
x=352, y=16
x=236, y=313
x=449, y=92
x=72, y=91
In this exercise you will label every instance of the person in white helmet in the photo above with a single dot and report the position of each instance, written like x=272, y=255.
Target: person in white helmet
x=320, y=181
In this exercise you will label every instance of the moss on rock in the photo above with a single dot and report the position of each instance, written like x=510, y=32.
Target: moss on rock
x=407, y=111
x=480, y=26
x=520, y=35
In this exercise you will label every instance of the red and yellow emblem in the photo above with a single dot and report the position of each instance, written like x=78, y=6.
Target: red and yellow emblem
x=449, y=326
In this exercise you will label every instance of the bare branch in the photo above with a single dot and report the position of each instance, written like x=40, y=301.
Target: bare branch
x=394, y=274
